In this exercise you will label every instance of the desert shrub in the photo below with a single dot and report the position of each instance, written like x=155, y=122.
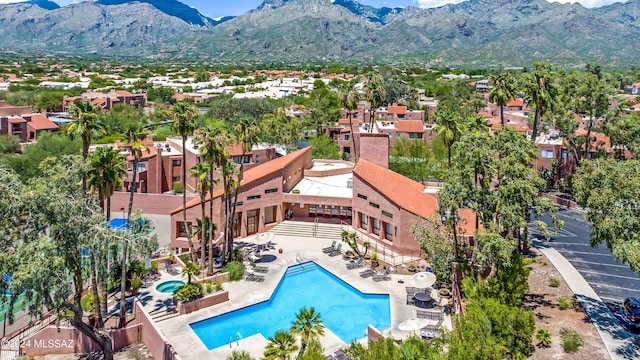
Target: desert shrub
x=553, y=282
x=235, y=270
x=565, y=302
x=178, y=188
x=218, y=285
x=544, y=337
x=208, y=287
x=184, y=258
x=571, y=340
x=188, y=292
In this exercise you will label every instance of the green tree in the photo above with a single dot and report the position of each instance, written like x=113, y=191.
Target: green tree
x=349, y=98
x=107, y=167
x=183, y=116
x=239, y=355
x=160, y=94
x=279, y=128
x=308, y=325
x=51, y=268
x=449, y=126
x=232, y=110
x=86, y=122
x=202, y=76
x=503, y=90
x=190, y=269
x=603, y=187
x=9, y=144
x=50, y=101
x=593, y=99
x=541, y=91
x=324, y=148
x=200, y=172
x=280, y=346
x=374, y=93
x=437, y=246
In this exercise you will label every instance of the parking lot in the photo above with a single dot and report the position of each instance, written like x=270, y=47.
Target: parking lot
x=609, y=278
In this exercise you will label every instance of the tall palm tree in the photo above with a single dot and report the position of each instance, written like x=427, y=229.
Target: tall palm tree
x=280, y=346
x=450, y=126
x=133, y=136
x=201, y=171
x=504, y=89
x=349, y=98
x=375, y=94
x=86, y=121
x=107, y=167
x=213, y=140
x=541, y=91
x=183, y=115
x=239, y=355
x=308, y=325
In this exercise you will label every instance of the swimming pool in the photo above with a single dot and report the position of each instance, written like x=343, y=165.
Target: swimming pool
x=169, y=286
x=343, y=309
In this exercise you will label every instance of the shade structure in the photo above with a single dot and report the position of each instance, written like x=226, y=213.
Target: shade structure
x=423, y=280
x=413, y=324
x=263, y=238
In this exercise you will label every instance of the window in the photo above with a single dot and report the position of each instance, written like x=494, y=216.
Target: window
x=387, y=214
x=239, y=203
x=430, y=136
x=415, y=135
x=564, y=154
x=388, y=231
x=237, y=159
x=547, y=154
x=177, y=162
x=182, y=231
x=346, y=136
x=175, y=179
x=364, y=221
x=390, y=135
x=142, y=167
x=376, y=226
x=269, y=191
x=398, y=135
x=374, y=205
x=253, y=197
x=257, y=158
x=364, y=197
x=247, y=159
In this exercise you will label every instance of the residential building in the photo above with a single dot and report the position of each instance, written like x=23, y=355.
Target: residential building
x=20, y=121
x=106, y=101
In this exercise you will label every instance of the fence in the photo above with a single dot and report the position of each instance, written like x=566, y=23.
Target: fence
x=10, y=347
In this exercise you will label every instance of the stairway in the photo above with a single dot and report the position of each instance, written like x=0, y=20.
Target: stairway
x=305, y=229
x=165, y=313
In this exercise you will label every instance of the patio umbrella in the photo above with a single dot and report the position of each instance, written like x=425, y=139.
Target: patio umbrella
x=423, y=280
x=263, y=238
x=413, y=324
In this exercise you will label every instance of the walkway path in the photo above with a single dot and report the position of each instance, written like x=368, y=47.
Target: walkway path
x=619, y=343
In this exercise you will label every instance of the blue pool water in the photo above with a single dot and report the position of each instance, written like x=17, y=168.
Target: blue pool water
x=343, y=309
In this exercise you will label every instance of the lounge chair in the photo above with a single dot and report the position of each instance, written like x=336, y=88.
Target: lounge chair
x=254, y=277
x=369, y=272
x=384, y=276
x=337, y=251
x=431, y=315
x=257, y=268
x=330, y=248
x=355, y=264
x=340, y=355
x=412, y=290
x=410, y=299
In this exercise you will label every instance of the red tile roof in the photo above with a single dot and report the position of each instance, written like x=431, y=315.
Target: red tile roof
x=17, y=120
x=124, y=93
x=397, y=110
x=41, y=122
x=254, y=174
x=354, y=121
x=409, y=126
x=400, y=190
x=515, y=102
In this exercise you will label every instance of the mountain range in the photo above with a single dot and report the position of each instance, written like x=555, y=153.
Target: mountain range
x=471, y=33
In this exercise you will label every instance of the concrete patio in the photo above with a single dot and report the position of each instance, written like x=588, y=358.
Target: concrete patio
x=244, y=293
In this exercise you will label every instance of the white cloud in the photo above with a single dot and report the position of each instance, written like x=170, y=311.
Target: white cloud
x=585, y=3
x=10, y=1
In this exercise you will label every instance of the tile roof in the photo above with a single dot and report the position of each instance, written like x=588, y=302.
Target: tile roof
x=124, y=93
x=515, y=102
x=397, y=110
x=254, y=174
x=41, y=122
x=400, y=190
x=17, y=120
x=354, y=121
x=409, y=126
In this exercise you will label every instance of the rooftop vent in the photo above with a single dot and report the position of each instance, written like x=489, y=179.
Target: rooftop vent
x=350, y=183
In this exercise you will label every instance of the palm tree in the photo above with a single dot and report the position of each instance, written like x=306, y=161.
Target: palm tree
x=190, y=269
x=541, y=91
x=106, y=169
x=503, y=90
x=375, y=94
x=239, y=355
x=450, y=126
x=86, y=121
x=280, y=346
x=349, y=98
x=308, y=325
x=133, y=136
x=183, y=115
x=201, y=171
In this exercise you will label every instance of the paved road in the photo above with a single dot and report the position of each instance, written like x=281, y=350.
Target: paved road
x=609, y=278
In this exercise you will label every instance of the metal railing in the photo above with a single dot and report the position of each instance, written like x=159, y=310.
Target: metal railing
x=17, y=337
x=315, y=227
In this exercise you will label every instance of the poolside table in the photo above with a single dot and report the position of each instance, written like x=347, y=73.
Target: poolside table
x=422, y=298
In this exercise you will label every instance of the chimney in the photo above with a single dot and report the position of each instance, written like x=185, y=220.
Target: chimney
x=375, y=148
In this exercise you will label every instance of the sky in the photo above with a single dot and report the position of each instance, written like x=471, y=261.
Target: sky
x=219, y=8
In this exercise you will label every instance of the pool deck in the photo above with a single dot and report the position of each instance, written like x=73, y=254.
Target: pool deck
x=244, y=293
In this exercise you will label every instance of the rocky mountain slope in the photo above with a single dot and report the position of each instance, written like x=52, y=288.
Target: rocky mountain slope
x=474, y=32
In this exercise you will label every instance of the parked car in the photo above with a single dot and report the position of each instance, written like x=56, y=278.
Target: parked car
x=632, y=311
